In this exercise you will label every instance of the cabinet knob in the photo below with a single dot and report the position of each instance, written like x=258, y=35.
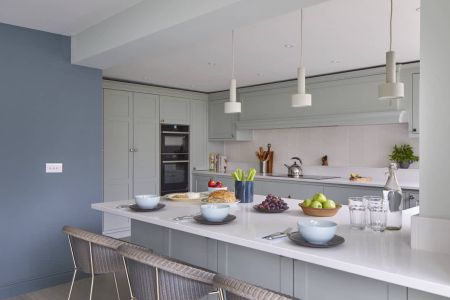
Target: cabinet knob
x=414, y=130
x=135, y=149
x=131, y=149
x=162, y=120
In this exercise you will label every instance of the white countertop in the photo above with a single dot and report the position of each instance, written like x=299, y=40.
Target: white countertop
x=407, y=185
x=383, y=256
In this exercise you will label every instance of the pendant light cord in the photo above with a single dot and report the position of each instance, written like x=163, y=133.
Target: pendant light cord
x=390, y=26
x=232, y=54
x=301, y=37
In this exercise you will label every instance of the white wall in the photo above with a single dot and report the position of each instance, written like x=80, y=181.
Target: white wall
x=435, y=108
x=362, y=146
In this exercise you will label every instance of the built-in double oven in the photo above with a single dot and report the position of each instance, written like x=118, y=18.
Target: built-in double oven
x=174, y=158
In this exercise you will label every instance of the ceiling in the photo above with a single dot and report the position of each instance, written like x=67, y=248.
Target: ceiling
x=338, y=35
x=187, y=45
x=60, y=16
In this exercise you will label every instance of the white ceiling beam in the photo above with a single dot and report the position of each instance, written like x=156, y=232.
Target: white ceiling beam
x=157, y=26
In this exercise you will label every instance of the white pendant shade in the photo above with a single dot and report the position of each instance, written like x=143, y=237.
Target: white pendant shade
x=391, y=89
x=301, y=99
x=232, y=106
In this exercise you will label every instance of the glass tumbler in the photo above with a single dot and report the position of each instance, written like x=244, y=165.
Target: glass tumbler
x=378, y=214
x=357, y=208
x=367, y=200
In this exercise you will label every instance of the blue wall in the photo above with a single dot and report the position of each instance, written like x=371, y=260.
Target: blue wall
x=50, y=111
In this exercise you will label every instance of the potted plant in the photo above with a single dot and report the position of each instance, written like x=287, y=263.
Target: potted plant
x=403, y=155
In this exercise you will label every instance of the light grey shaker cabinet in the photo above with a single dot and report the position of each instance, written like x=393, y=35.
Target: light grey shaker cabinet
x=415, y=126
x=131, y=150
x=221, y=125
x=117, y=157
x=174, y=110
x=198, y=135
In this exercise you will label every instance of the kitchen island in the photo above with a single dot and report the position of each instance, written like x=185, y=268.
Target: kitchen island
x=368, y=265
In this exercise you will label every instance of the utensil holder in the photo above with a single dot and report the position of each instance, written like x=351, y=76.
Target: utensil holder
x=244, y=190
x=262, y=166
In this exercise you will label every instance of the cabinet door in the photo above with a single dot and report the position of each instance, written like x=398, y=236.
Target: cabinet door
x=117, y=158
x=146, y=144
x=341, y=194
x=174, y=110
x=199, y=135
x=295, y=190
x=221, y=125
x=415, y=102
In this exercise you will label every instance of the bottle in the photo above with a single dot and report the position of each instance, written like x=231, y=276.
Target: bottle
x=393, y=200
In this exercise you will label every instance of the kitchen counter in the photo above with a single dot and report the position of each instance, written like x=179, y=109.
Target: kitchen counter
x=384, y=256
x=407, y=185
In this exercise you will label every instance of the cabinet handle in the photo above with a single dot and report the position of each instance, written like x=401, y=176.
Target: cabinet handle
x=162, y=120
x=131, y=150
x=414, y=129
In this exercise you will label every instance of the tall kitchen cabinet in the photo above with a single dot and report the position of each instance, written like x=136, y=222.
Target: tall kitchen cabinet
x=131, y=139
x=131, y=150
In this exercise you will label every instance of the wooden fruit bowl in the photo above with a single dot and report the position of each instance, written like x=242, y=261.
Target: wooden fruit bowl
x=320, y=212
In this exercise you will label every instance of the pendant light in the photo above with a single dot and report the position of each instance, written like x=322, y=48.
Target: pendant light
x=391, y=89
x=301, y=99
x=232, y=106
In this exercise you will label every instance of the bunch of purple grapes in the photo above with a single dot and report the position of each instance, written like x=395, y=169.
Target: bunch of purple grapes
x=272, y=203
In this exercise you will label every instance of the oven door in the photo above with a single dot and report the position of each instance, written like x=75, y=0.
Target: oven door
x=174, y=175
x=173, y=142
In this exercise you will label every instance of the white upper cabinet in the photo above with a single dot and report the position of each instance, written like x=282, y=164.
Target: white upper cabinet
x=174, y=110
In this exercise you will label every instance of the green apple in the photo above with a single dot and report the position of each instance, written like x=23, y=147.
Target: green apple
x=307, y=202
x=329, y=204
x=320, y=197
x=316, y=204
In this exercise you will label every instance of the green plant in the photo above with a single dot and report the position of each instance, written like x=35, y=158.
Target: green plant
x=403, y=153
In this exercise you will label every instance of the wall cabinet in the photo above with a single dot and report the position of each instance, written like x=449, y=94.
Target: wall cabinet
x=131, y=143
x=222, y=126
x=198, y=135
x=175, y=110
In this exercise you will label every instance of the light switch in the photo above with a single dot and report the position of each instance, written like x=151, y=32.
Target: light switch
x=53, y=168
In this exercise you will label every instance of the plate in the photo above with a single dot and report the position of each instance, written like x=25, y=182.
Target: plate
x=297, y=238
x=256, y=207
x=200, y=219
x=135, y=207
x=185, y=199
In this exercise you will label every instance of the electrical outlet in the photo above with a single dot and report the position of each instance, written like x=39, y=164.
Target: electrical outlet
x=53, y=168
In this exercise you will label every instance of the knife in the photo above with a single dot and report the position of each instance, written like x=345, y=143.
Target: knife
x=277, y=235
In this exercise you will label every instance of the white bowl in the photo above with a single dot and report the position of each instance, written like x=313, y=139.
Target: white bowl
x=147, y=201
x=317, y=231
x=215, y=212
x=212, y=189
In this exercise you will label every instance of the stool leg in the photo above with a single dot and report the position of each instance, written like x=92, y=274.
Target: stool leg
x=71, y=284
x=117, y=287
x=92, y=271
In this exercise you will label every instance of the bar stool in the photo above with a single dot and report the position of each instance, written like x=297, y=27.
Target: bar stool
x=233, y=289
x=94, y=254
x=152, y=276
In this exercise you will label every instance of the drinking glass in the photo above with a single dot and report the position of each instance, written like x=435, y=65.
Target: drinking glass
x=357, y=208
x=367, y=200
x=378, y=214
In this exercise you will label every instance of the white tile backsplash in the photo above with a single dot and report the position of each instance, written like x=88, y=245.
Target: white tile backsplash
x=360, y=146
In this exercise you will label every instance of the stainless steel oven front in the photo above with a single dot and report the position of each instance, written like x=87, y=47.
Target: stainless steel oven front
x=174, y=158
x=174, y=173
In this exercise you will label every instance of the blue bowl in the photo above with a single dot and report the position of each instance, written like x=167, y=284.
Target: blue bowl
x=147, y=201
x=317, y=231
x=215, y=212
